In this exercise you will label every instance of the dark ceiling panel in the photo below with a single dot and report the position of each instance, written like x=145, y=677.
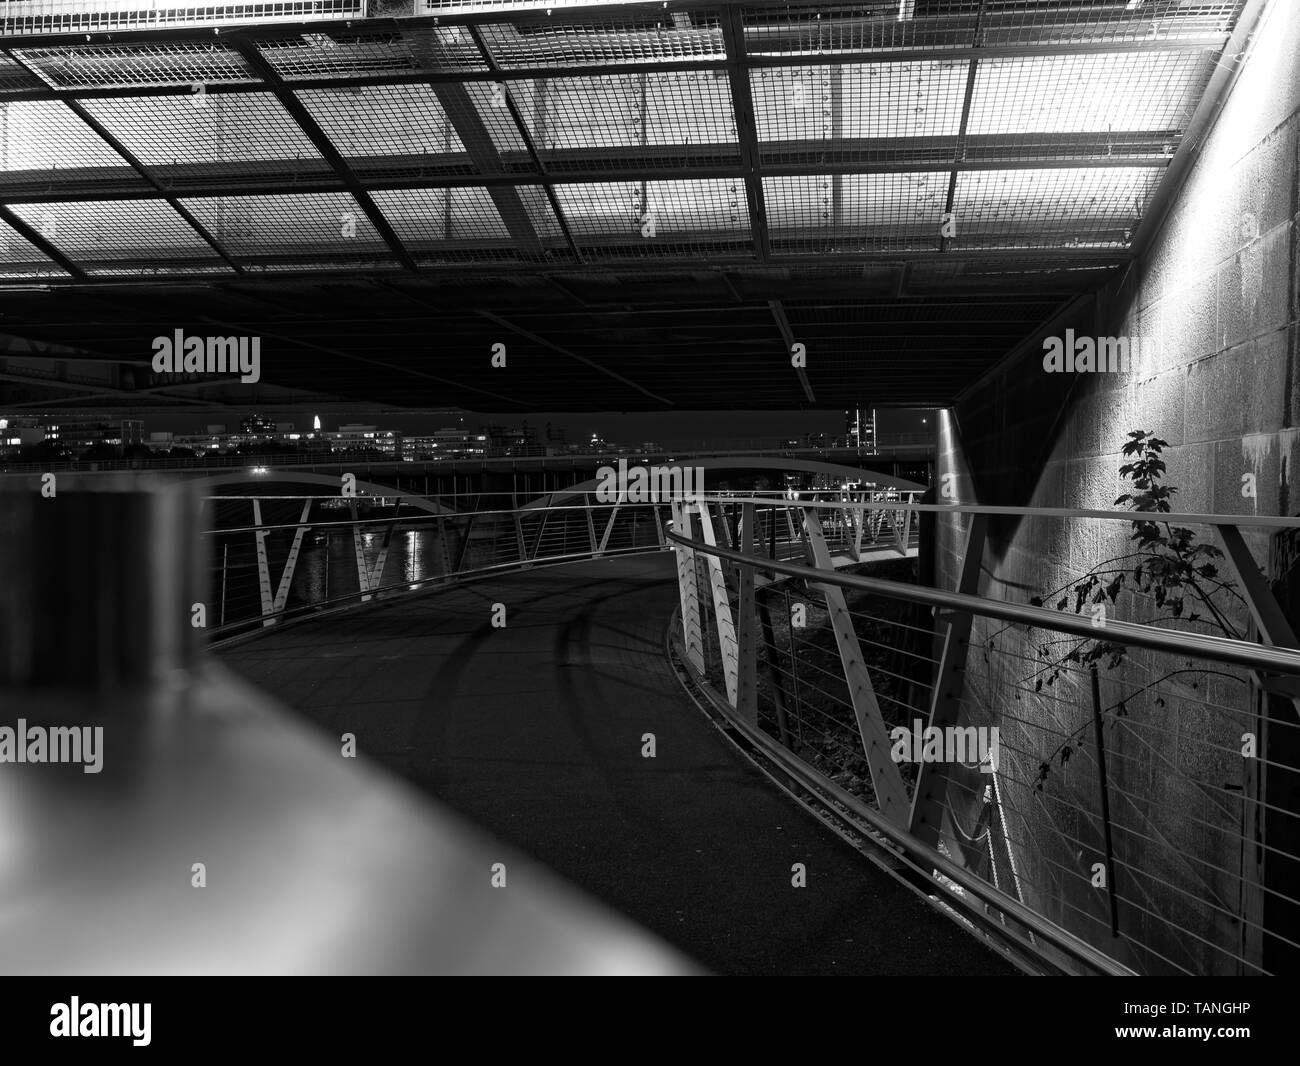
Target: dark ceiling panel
x=644, y=204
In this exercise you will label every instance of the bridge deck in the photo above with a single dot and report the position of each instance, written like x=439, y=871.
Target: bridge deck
x=535, y=732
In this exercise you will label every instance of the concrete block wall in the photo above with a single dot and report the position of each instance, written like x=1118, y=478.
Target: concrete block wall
x=1214, y=298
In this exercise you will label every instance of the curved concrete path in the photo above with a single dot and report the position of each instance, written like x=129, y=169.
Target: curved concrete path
x=534, y=731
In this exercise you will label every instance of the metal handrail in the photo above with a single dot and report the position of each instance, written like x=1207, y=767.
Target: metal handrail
x=370, y=593
x=924, y=859
x=806, y=717
x=1220, y=649
x=806, y=499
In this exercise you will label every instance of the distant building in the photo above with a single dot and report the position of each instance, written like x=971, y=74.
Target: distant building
x=860, y=429
x=355, y=437
x=17, y=432
x=78, y=434
x=446, y=443
x=257, y=426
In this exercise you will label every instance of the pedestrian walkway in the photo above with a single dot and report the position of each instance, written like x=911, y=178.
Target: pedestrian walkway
x=535, y=731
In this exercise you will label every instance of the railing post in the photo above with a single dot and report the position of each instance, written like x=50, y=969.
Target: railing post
x=286, y=579
x=886, y=780
x=1111, y=891
x=263, y=567
x=860, y=522
x=746, y=635
x=692, y=641
x=520, y=546
x=463, y=554
x=541, y=528
x=609, y=526
x=930, y=797
x=369, y=577
x=728, y=651
x=591, y=525
x=1265, y=791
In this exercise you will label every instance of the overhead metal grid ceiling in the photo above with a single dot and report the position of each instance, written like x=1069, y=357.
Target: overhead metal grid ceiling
x=590, y=165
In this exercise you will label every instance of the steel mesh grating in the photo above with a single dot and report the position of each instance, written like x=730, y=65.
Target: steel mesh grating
x=856, y=157
x=466, y=222
x=628, y=111
x=203, y=128
x=654, y=218
x=19, y=258
x=656, y=38
x=361, y=260
x=14, y=77
x=97, y=66
x=1065, y=207
x=900, y=25
x=320, y=55
x=382, y=120
x=320, y=225
x=922, y=99
x=1030, y=22
x=131, y=236
x=19, y=17
x=1088, y=94
x=480, y=105
x=46, y=135
x=838, y=213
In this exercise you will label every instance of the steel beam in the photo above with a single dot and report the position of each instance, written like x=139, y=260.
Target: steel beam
x=252, y=55
x=959, y=149
x=742, y=104
x=1269, y=619
x=527, y=138
x=34, y=237
x=787, y=335
x=669, y=163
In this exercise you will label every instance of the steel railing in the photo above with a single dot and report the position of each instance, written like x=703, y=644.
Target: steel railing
x=274, y=557
x=1138, y=812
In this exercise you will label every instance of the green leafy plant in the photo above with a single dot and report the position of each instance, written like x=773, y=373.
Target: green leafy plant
x=1169, y=564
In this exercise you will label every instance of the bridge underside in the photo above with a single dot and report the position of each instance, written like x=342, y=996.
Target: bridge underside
x=649, y=206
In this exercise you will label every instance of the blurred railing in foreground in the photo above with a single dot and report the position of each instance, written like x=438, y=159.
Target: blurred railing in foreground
x=274, y=557
x=1104, y=794
x=318, y=864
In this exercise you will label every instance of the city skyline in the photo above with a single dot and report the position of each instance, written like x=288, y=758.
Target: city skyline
x=621, y=427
